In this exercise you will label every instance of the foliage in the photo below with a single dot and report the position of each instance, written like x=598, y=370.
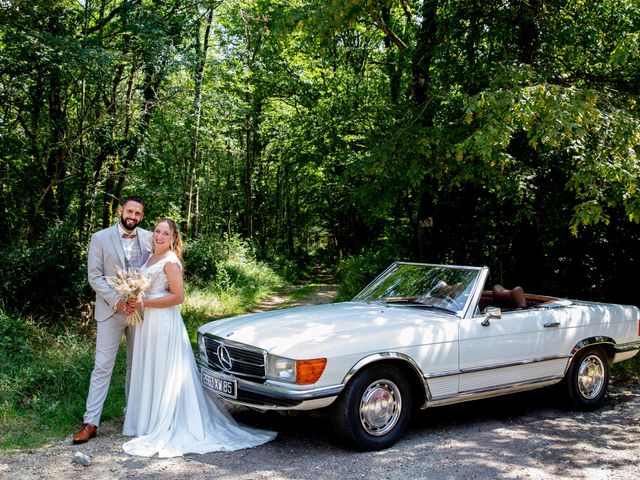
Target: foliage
x=355, y=273
x=226, y=264
x=54, y=267
x=473, y=132
x=627, y=372
x=43, y=381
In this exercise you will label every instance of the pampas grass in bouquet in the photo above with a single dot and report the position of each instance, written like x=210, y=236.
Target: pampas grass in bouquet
x=130, y=284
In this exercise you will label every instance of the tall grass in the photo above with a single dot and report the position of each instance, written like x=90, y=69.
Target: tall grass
x=627, y=372
x=44, y=380
x=45, y=367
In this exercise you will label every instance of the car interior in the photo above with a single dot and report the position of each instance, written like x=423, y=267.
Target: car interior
x=510, y=299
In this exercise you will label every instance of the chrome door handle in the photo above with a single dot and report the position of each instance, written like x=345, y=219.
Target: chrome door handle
x=552, y=325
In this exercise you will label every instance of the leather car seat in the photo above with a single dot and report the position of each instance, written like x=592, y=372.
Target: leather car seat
x=513, y=299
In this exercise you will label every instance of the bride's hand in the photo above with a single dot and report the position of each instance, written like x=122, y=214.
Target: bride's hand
x=134, y=304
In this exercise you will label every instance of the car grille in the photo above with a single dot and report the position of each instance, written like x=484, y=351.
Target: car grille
x=242, y=361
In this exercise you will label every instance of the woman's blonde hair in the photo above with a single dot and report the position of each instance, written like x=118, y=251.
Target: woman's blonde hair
x=176, y=242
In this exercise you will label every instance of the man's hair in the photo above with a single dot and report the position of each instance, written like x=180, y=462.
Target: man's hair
x=132, y=199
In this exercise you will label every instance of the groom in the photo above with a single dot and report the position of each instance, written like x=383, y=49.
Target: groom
x=124, y=246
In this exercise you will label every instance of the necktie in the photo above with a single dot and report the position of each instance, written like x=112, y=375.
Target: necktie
x=128, y=235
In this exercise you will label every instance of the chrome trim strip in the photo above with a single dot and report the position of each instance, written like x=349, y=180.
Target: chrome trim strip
x=514, y=364
x=627, y=347
x=300, y=406
x=587, y=342
x=442, y=374
x=381, y=356
x=456, y=267
x=386, y=356
x=496, y=366
x=425, y=377
x=232, y=374
x=493, y=391
x=476, y=293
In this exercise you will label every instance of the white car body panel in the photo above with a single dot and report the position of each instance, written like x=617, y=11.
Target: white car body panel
x=454, y=357
x=518, y=336
x=345, y=333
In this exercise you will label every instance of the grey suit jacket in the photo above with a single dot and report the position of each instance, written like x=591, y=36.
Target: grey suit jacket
x=105, y=254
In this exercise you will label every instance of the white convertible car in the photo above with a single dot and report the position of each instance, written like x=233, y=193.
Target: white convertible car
x=418, y=336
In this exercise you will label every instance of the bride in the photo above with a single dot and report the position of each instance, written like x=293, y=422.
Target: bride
x=167, y=408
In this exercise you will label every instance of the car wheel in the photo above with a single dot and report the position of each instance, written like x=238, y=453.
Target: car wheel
x=374, y=408
x=587, y=380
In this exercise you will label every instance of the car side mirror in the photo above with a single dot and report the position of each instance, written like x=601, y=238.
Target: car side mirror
x=489, y=313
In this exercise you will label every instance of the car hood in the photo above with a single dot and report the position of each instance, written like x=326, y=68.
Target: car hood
x=299, y=332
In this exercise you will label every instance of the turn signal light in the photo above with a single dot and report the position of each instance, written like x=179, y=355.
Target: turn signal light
x=309, y=371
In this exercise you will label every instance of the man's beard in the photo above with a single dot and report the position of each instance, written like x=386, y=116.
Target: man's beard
x=126, y=226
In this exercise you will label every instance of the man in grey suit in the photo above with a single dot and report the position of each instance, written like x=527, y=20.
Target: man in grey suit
x=124, y=246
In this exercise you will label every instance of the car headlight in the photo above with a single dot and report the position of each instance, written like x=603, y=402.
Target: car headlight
x=302, y=372
x=202, y=347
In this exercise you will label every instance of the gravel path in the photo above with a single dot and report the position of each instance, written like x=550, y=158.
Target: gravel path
x=524, y=436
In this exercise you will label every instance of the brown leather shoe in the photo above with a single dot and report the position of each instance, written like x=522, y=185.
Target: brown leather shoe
x=86, y=433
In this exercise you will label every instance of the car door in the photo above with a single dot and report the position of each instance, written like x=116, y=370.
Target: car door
x=519, y=347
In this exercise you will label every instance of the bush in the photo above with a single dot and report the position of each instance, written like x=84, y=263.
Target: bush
x=49, y=278
x=355, y=273
x=226, y=264
x=44, y=378
x=205, y=256
x=627, y=372
x=201, y=257
x=290, y=270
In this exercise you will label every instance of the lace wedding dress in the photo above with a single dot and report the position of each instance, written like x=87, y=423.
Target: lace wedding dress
x=167, y=408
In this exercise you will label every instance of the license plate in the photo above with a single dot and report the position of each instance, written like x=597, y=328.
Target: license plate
x=227, y=387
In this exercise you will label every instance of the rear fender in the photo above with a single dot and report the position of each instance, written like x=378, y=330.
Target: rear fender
x=607, y=344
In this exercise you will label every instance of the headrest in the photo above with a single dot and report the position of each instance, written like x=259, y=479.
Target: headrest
x=513, y=298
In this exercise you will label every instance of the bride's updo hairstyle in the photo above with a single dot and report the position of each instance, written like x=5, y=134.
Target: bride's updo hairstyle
x=176, y=242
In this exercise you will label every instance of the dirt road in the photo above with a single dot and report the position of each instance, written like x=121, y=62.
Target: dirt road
x=525, y=436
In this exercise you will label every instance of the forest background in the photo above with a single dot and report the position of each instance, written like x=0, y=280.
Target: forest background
x=284, y=135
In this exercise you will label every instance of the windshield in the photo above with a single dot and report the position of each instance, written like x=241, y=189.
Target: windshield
x=419, y=285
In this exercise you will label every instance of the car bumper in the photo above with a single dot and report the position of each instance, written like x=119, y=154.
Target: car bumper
x=274, y=397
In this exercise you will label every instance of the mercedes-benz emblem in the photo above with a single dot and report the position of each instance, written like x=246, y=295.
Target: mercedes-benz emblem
x=224, y=357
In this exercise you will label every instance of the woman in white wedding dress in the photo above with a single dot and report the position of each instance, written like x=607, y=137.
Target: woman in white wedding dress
x=167, y=408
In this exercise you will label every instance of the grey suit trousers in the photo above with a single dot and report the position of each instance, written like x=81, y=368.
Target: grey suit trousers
x=108, y=339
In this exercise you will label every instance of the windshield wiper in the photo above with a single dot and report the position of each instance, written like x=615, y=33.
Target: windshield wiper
x=435, y=307
x=410, y=303
x=403, y=301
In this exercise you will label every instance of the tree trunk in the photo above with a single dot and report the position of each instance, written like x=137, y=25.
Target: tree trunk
x=527, y=31
x=394, y=68
x=52, y=199
x=473, y=35
x=423, y=57
x=191, y=200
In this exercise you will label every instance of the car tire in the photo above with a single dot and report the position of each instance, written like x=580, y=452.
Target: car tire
x=587, y=379
x=374, y=408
